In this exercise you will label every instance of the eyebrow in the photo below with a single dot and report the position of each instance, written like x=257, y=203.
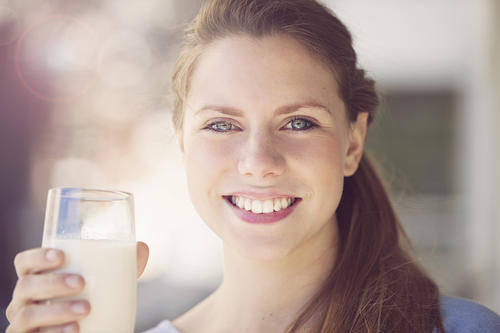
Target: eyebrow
x=285, y=109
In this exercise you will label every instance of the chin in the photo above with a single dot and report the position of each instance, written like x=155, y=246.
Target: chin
x=258, y=249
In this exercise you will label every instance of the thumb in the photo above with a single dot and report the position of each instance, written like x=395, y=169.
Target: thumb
x=142, y=257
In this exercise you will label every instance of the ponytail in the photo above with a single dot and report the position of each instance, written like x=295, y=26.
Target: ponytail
x=375, y=286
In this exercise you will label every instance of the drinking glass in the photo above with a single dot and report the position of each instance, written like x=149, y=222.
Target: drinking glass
x=96, y=231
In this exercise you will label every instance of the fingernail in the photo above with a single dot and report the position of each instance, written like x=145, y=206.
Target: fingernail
x=69, y=328
x=51, y=255
x=72, y=281
x=78, y=308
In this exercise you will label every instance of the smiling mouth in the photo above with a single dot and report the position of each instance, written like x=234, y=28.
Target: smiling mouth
x=250, y=208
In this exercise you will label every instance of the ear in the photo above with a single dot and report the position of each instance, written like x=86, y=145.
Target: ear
x=356, y=142
x=178, y=134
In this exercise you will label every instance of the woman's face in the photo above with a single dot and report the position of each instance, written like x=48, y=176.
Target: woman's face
x=264, y=121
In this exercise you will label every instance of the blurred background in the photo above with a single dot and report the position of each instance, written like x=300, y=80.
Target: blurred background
x=83, y=88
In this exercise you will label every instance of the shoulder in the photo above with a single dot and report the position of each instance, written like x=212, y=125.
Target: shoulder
x=465, y=316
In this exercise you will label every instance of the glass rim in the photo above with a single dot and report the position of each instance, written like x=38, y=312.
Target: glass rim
x=90, y=194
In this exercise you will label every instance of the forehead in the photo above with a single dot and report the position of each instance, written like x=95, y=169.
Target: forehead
x=241, y=70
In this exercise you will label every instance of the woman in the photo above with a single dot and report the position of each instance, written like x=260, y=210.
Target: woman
x=271, y=114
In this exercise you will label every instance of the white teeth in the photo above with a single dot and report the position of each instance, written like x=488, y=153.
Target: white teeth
x=241, y=202
x=268, y=206
x=277, y=204
x=248, y=204
x=258, y=206
x=284, y=203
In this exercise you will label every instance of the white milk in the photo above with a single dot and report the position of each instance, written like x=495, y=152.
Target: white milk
x=109, y=270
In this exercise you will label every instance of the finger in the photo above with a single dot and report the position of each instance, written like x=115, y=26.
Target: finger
x=37, y=260
x=40, y=287
x=46, y=286
x=35, y=316
x=66, y=328
x=142, y=257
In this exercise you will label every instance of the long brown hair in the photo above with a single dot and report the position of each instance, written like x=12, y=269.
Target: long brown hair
x=374, y=286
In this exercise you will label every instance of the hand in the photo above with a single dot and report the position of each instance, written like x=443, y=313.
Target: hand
x=28, y=310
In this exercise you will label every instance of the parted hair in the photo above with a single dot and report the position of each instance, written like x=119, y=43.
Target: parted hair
x=375, y=286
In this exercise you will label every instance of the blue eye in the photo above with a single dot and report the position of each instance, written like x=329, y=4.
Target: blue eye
x=219, y=126
x=297, y=124
x=301, y=124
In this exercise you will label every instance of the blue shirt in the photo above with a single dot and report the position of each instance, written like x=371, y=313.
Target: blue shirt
x=459, y=316
x=465, y=316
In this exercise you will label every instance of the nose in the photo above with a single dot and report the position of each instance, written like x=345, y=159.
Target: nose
x=260, y=157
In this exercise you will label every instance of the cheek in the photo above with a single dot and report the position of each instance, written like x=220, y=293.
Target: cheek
x=205, y=156
x=322, y=156
x=320, y=162
x=207, y=162
x=208, y=158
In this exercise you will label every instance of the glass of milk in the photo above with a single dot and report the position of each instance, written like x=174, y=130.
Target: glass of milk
x=96, y=231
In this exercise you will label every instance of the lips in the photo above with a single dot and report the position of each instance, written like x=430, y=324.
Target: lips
x=261, y=218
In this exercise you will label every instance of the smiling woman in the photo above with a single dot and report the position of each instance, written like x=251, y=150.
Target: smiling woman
x=271, y=114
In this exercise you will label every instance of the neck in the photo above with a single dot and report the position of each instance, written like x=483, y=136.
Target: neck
x=267, y=295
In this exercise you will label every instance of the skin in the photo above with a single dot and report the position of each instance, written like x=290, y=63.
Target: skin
x=270, y=271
